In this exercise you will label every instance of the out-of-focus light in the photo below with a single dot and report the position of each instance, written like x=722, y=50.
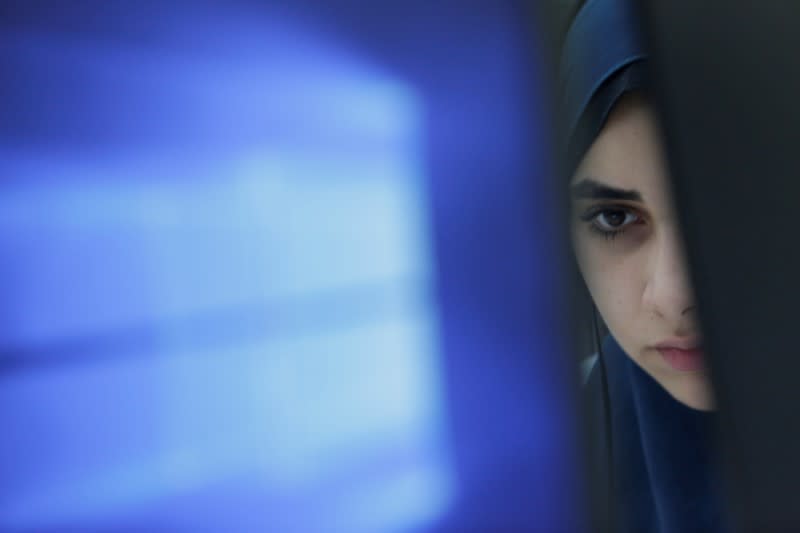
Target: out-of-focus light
x=221, y=282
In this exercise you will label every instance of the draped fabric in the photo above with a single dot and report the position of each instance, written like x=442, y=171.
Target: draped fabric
x=665, y=476
x=602, y=43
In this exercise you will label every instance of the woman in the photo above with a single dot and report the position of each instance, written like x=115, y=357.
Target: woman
x=649, y=384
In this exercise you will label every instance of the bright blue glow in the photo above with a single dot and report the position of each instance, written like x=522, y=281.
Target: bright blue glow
x=220, y=276
x=363, y=447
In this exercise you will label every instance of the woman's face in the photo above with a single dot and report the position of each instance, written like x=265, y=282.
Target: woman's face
x=629, y=250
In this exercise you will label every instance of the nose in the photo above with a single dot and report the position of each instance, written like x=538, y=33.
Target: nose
x=668, y=292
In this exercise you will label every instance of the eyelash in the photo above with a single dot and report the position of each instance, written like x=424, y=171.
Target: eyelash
x=591, y=216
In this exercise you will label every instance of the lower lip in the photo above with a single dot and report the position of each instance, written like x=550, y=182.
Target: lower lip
x=683, y=360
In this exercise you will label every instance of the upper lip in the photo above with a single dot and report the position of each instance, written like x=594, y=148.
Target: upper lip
x=681, y=343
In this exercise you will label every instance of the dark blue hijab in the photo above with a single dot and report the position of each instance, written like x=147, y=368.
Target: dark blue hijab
x=665, y=473
x=662, y=467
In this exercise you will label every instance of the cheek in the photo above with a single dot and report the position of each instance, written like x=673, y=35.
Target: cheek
x=614, y=280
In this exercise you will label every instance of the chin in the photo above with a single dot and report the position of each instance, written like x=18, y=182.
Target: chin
x=692, y=390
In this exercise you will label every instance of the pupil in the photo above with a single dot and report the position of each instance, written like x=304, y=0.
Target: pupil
x=615, y=218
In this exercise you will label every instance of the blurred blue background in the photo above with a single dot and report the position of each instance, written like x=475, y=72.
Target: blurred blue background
x=246, y=283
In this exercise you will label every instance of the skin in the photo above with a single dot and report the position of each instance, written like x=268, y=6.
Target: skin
x=637, y=277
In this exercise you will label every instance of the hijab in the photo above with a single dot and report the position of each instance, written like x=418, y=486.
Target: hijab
x=602, y=59
x=665, y=474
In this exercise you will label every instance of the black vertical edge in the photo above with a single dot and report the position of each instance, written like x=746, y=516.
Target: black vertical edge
x=726, y=79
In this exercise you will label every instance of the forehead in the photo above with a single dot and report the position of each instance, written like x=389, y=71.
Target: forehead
x=627, y=153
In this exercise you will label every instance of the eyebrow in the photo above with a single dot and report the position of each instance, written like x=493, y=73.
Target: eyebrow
x=594, y=190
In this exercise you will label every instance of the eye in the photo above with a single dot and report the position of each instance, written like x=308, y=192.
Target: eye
x=610, y=221
x=614, y=220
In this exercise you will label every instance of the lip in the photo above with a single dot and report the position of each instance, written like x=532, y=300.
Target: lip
x=684, y=354
x=681, y=343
